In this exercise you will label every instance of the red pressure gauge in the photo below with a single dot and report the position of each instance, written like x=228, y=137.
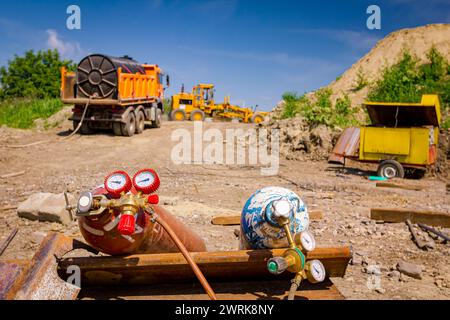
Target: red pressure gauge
x=117, y=182
x=146, y=181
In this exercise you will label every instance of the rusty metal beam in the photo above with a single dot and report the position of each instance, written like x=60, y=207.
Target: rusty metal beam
x=247, y=290
x=38, y=279
x=439, y=219
x=172, y=267
x=12, y=276
x=235, y=220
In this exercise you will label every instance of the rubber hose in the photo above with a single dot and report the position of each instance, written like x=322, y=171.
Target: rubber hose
x=81, y=120
x=293, y=290
x=188, y=257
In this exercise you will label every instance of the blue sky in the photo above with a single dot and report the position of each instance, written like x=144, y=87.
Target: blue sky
x=252, y=50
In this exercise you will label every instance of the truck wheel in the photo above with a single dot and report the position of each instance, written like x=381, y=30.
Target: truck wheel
x=84, y=129
x=158, y=119
x=257, y=118
x=178, y=115
x=391, y=169
x=140, y=122
x=129, y=127
x=197, y=115
x=117, y=128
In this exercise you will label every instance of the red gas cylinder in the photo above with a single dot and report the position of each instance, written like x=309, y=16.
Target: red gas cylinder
x=102, y=232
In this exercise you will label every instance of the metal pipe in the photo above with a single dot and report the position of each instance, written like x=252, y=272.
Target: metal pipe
x=8, y=240
x=186, y=254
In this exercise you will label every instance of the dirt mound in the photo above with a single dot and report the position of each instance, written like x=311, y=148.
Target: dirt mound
x=299, y=141
x=54, y=120
x=443, y=163
x=418, y=41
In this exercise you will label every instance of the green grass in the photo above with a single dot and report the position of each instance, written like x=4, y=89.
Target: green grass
x=320, y=110
x=22, y=113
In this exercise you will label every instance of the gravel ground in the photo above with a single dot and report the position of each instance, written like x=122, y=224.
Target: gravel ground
x=195, y=193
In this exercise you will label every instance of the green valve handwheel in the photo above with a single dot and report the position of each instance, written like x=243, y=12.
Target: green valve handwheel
x=277, y=265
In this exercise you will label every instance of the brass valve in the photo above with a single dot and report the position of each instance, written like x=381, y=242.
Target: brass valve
x=293, y=259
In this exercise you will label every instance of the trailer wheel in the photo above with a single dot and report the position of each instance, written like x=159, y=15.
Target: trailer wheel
x=129, y=127
x=178, y=115
x=158, y=119
x=257, y=118
x=391, y=169
x=140, y=122
x=197, y=115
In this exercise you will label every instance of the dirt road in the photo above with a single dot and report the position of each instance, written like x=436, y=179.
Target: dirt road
x=195, y=193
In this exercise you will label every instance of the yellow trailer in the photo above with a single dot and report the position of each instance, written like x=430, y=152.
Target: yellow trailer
x=401, y=135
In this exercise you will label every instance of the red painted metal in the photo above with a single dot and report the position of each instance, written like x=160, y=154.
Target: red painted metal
x=151, y=188
x=102, y=233
x=347, y=146
x=125, y=188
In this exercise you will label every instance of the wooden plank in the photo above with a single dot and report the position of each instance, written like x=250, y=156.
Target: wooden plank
x=243, y=265
x=12, y=175
x=8, y=208
x=399, y=186
x=226, y=220
x=235, y=220
x=250, y=290
x=432, y=218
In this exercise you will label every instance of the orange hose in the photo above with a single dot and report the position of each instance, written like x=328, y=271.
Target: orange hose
x=188, y=257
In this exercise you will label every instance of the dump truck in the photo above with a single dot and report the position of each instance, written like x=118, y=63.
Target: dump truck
x=199, y=103
x=114, y=93
x=402, y=136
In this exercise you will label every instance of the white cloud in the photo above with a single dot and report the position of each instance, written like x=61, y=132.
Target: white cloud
x=354, y=39
x=279, y=58
x=67, y=49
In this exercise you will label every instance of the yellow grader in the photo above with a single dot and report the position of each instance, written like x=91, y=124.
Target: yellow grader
x=199, y=103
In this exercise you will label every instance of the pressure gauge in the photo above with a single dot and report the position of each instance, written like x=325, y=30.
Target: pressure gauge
x=146, y=181
x=315, y=271
x=306, y=240
x=118, y=182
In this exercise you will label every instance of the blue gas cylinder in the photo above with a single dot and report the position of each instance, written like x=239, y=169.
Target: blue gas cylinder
x=260, y=228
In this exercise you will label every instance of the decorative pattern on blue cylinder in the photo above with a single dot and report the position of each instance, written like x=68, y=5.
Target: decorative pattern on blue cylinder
x=259, y=229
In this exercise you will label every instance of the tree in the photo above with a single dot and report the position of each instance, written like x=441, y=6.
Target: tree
x=34, y=75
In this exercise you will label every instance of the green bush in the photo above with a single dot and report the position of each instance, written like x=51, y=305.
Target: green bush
x=361, y=81
x=291, y=107
x=22, y=113
x=34, y=75
x=408, y=80
x=320, y=109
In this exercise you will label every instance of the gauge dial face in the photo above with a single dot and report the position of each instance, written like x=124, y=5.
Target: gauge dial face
x=307, y=241
x=146, y=181
x=317, y=270
x=118, y=182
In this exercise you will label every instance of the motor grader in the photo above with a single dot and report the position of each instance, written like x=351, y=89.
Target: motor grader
x=199, y=103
